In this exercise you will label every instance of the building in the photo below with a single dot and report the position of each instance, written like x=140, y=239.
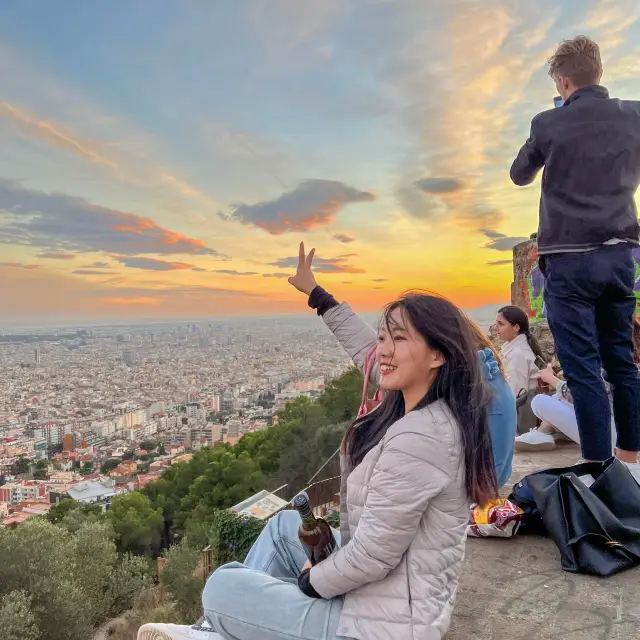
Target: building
x=93, y=491
x=16, y=492
x=67, y=442
x=215, y=404
x=51, y=432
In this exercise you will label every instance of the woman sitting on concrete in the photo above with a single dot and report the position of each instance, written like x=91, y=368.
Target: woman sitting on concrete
x=520, y=352
x=410, y=469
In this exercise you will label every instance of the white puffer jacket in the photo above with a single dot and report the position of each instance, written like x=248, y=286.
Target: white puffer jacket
x=407, y=512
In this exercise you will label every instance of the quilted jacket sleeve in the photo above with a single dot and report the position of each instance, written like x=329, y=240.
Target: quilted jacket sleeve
x=414, y=466
x=353, y=333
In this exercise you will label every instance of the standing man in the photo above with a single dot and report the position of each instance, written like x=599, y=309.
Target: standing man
x=590, y=151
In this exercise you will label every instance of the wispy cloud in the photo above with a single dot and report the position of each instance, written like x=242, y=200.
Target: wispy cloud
x=321, y=265
x=380, y=280
x=55, y=135
x=19, y=265
x=233, y=272
x=499, y=263
x=501, y=242
x=96, y=265
x=92, y=272
x=344, y=238
x=311, y=204
x=54, y=255
x=275, y=275
x=153, y=264
x=439, y=185
x=60, y=222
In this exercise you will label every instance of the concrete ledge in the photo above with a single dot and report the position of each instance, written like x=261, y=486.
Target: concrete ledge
x=516, y=590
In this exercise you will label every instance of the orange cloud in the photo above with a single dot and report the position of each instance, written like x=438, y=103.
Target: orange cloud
x=57, y=221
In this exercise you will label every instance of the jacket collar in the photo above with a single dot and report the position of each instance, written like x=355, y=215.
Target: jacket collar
x=594, y=91
x=517, y=343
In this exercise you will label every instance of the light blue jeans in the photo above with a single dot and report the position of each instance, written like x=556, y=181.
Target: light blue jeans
x=260, y=599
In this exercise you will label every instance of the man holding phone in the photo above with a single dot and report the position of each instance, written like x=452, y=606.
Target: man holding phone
x=590, y=150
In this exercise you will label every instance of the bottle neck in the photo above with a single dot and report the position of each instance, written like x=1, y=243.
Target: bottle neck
x=304, y=509
x=308, y=520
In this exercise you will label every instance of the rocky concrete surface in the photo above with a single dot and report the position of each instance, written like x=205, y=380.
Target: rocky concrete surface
x=516, y=590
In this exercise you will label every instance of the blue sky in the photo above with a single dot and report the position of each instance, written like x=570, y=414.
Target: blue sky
x=220, y=134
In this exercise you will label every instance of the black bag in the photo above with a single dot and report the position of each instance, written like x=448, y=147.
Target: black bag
x=522, y=497
x=596, y=528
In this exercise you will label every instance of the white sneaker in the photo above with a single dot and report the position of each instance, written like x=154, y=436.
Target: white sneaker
x=634, y=467
x=535, y=440
x=154, y=631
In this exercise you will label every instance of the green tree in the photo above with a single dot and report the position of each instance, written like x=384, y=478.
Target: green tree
x=23, y=465
x=148, y=445
x=87, y=468
x=182, y=583
x=161, y=450
x=109, y=465
x=342, y=396
x=78, y=518
x=16, y=618
x=42, y=464
x=136, y=523
x=60, y=510
x=307, y=434
x=74, y=580
x=40, y=474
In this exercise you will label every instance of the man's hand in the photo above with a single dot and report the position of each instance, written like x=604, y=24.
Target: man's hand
x=304, y=280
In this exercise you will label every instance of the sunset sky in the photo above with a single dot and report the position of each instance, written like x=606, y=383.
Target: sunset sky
x=164, y=158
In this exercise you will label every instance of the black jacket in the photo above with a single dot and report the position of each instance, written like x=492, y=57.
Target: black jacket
x=590, y=151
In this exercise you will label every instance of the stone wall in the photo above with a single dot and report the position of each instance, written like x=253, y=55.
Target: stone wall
x=527, y=292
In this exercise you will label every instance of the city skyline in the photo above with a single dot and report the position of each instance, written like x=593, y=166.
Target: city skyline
x=164, y=161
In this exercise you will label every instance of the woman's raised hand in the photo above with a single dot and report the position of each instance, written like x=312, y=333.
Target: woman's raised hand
x=304, y=280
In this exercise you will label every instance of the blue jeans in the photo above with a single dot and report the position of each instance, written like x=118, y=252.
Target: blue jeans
x=260, y=599
x=590, y=305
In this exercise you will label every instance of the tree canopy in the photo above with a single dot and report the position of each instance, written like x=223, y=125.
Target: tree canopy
x=290, y=452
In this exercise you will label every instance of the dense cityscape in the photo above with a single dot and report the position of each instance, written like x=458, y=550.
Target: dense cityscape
x=89, y=413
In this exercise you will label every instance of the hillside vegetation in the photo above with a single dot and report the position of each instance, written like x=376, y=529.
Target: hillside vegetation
x=63, y=575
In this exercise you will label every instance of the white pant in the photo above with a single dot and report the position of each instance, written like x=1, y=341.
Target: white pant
x=562, y=416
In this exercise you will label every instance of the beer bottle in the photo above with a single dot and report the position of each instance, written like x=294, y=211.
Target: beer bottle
x=314, y=533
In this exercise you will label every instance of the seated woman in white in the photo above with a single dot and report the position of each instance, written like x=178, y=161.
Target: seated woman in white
x=556, y=414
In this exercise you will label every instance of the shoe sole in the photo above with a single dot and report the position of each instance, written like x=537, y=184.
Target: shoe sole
x=525, y=447
x=150, y=632
x=147, y=632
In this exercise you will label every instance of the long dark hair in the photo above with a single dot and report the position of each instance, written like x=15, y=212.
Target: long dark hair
x=516, y=316
x=459, y=383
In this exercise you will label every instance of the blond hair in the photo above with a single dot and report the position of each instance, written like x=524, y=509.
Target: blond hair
x=578, y=60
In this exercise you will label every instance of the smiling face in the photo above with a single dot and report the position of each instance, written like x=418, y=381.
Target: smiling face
x=407, y=363
x=505, y=330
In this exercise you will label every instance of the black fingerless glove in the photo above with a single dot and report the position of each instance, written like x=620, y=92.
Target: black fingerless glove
x=321, y=300
x=304, y=584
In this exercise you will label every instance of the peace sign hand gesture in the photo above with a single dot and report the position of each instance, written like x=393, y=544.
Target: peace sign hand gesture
x=304, y=280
